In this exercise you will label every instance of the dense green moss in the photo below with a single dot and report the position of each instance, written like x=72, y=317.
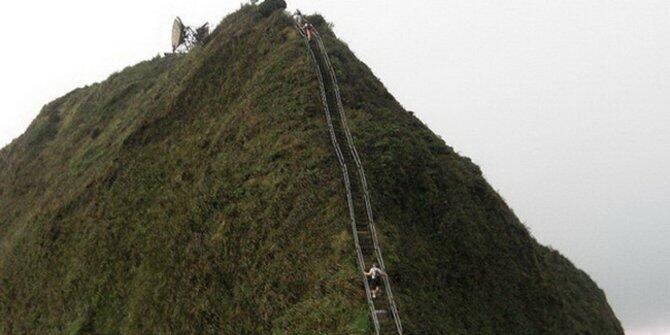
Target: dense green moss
x=199, y=193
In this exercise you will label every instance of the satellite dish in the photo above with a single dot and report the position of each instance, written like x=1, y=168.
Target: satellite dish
x=177, y=33
x=184, y=38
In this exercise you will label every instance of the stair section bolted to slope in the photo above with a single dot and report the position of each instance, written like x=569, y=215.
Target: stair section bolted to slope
x=384, y=312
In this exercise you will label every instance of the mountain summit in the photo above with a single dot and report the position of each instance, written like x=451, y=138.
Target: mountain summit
x=204, y=193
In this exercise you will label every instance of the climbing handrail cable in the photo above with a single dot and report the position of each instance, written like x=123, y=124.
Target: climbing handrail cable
x=328, y=70
x=347, y=183
x=363, y=180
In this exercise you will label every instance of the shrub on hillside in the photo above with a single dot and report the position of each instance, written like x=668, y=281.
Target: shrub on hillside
x=317, y=20
x=270, y=6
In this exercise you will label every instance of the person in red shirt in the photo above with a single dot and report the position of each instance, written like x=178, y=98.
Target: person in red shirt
x=309, y=30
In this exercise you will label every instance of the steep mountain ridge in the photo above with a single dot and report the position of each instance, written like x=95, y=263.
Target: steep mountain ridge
x=199, y=193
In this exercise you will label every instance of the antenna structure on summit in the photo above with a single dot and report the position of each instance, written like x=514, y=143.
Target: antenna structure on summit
x=184, y=38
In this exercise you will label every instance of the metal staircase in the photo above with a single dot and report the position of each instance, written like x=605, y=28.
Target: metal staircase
x=384, y=313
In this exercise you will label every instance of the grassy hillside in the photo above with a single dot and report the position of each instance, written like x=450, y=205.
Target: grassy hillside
x=199, y=193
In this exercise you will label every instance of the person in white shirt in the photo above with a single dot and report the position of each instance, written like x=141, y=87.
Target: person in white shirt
x=299, y=18
x=374, y=276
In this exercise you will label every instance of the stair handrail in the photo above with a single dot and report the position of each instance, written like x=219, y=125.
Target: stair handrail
x=363, y=180
x=347, y=182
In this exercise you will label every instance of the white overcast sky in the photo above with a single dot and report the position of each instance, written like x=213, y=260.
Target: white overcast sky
x=564, y=104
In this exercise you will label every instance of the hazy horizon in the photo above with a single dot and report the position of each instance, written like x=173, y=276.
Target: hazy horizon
x=564, y=106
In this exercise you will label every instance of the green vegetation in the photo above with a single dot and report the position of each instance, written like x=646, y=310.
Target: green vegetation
x=270, y=6
x=199, y=193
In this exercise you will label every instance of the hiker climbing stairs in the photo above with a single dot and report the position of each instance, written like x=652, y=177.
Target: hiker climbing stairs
x=383, y=309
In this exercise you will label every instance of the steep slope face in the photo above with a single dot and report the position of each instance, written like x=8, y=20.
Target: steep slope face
x=463, y=261
x=200, y=194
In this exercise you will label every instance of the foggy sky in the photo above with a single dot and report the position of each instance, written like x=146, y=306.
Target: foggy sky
x=565, y=105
